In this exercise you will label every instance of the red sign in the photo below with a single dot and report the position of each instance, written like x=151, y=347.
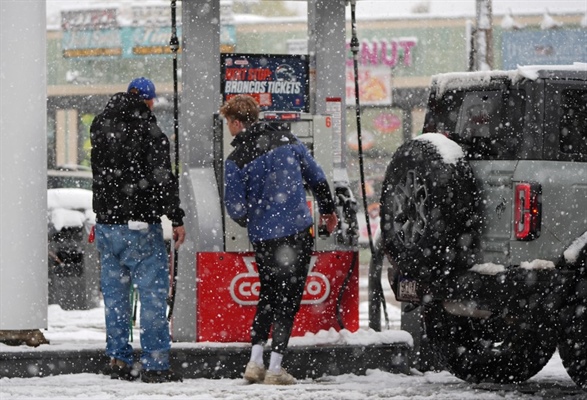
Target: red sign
x=89, y=19
x=228, y=292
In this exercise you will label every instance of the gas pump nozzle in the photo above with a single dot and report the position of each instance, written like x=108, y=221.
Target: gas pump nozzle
x=323, y=231
x=347, y=210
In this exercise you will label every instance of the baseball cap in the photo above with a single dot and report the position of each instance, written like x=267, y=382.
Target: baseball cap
x=145, y=87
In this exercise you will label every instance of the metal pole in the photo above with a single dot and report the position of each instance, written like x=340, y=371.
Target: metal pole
x=376, y=297
x=174, y=46
x=483, y=36
x=355, y=51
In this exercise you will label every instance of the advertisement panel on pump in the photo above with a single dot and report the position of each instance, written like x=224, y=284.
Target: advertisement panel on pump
x=228, y=291
x=277, y=82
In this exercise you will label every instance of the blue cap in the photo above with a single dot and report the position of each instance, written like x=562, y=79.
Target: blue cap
x=145, y=87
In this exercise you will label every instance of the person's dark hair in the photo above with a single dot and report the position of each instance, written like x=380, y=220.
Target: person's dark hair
x=242, y=108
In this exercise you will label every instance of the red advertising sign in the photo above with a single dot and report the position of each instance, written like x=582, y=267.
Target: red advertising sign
x=228, y=291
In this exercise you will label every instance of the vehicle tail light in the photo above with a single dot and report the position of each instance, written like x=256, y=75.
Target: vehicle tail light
x=527, y=211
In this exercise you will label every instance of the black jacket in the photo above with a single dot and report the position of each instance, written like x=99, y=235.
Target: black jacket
x=131, y=165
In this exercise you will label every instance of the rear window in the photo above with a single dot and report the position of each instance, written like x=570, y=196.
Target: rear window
x=573, y=122
x=480, y=115
x=443, y=112
x=487, y=124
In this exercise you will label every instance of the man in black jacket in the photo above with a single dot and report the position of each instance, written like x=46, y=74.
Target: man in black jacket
x=133, y=186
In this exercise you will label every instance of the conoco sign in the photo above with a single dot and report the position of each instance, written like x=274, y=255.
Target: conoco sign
x=227, y=292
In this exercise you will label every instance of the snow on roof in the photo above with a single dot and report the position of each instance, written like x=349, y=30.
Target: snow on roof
x=509, y=22
x=531, y=71
x=548, y=22
x=462, y=80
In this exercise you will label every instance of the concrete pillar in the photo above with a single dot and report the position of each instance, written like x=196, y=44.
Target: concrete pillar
x=326, y=45
x=200, y=99
x=23, y=176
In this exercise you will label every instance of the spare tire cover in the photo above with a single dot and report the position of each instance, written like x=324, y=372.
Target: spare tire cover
x=429, y=200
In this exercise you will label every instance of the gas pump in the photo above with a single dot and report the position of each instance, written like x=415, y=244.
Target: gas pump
x=216, y=285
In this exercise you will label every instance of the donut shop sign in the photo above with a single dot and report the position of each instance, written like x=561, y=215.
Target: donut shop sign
x=390, y=53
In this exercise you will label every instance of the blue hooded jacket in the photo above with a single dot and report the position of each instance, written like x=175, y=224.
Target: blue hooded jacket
x=264, y=183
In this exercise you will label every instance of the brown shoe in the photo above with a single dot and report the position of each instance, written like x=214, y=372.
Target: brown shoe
x=279, y=378
x=254, y=372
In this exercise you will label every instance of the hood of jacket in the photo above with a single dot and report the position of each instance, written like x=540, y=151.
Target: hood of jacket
x=127, y=107
x=260, y=128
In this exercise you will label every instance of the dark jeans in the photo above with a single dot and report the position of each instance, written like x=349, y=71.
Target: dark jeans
x=283, y=267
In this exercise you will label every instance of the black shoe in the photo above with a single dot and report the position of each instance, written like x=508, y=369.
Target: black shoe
x=160, y=376
x=120, y=370
x=107, y=370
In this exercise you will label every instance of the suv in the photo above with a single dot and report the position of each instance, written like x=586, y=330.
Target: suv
x=484, y=222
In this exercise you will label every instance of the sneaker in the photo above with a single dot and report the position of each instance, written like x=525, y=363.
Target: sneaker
x=150, y=376
x=254, y=372
x=279, y=378
x=118, y=369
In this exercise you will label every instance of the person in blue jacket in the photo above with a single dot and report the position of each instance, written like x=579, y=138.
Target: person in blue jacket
x=264, y=191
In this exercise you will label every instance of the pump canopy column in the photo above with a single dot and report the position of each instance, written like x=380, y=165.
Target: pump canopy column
x=23, y=183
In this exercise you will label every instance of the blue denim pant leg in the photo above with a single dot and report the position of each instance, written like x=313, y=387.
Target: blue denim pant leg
x=138, y=258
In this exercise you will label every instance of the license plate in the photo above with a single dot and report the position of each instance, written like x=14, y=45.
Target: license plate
x=408, y=290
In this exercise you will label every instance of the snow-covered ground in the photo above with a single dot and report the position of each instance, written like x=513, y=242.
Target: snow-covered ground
x=84, y=329
x=551, y=383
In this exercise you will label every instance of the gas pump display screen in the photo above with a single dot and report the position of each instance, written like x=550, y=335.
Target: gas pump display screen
x=277, y=82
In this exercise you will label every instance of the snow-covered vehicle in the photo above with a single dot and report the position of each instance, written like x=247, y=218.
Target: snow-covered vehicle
x=484, y=222
x=73, y=262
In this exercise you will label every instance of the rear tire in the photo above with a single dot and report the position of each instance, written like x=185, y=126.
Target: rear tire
x=573, y=345
x=488, y=350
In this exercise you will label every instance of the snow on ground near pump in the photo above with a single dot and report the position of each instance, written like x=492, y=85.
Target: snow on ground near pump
x=551, y=383
x=85, y=329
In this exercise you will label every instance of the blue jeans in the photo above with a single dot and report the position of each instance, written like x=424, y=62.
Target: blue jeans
x=138, y=258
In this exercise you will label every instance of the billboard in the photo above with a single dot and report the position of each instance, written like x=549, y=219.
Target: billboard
x=91, y=33
x=97, y=33
x=278, y=82
x=544, y=47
